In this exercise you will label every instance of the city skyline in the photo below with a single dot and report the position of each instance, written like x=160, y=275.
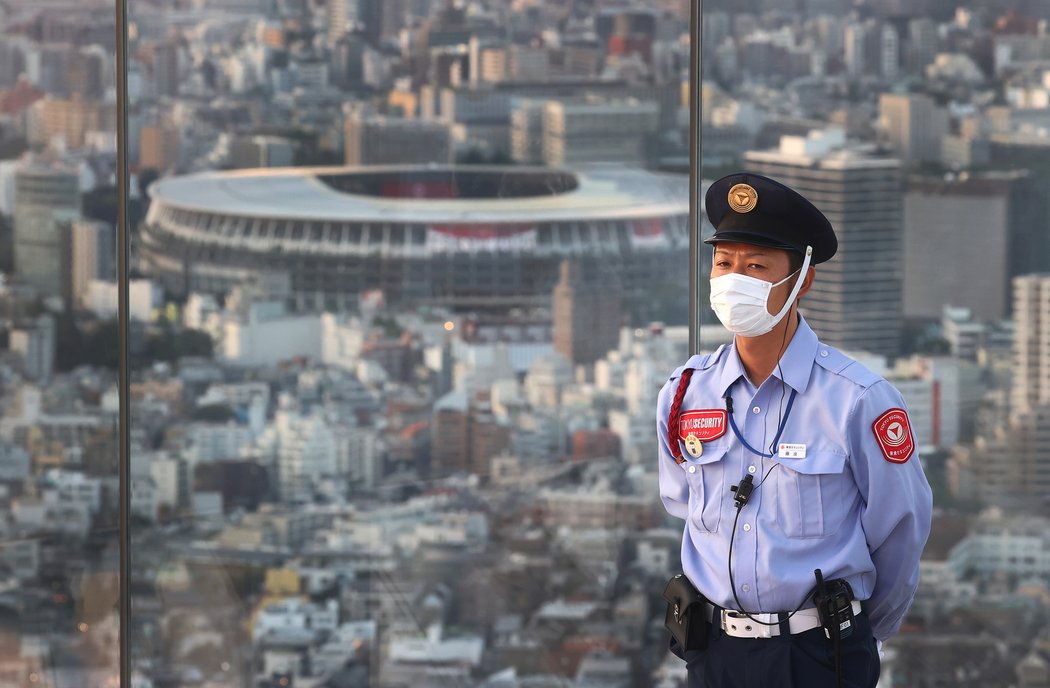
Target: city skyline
x=406, y=277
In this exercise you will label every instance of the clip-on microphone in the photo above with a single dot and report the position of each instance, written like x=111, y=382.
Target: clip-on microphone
x=743, y=491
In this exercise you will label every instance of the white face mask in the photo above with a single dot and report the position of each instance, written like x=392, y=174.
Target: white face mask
x=740, y=302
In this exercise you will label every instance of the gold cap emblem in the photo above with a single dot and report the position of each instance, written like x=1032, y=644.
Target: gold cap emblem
x=743, y=198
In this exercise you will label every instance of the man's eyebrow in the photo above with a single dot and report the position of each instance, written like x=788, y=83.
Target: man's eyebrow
x=749, y=254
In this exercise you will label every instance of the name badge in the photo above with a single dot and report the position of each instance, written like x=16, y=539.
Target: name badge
x=788, y=450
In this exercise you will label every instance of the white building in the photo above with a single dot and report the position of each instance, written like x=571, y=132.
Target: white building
x=14, y=462
x=294, y=614
x=36, y=346
x=548, y=376
x=1019, y=546
x=266, y=338
x=51, y=515
x=22, y=557
x=358, y=459
x=143, y=297
x=931, y=389
x=75, y=488
x=213, y=442
x=341, y=341
x=302, y=449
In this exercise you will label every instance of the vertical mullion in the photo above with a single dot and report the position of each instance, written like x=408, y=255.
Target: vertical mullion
x=695, y=128
x=123, y=366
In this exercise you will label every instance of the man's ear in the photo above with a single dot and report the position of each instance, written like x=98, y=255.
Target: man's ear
x=807, y=282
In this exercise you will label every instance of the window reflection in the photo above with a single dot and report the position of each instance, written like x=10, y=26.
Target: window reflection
x=413, y=447
x=916, y=128
x=58, y=346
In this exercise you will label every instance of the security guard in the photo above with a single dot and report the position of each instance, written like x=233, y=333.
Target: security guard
x=819, y=448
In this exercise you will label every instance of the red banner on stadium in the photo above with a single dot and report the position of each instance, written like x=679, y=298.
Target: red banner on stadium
x=469, y=238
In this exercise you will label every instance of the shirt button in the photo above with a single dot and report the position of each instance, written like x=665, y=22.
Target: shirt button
x=823, y=353
x=692, y=469
x=756, y=410
x=747, y=527
x=747, y=588
x=751, y=469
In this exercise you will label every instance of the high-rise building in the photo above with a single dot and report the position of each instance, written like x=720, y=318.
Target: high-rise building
x=529, y=63
x=92, y=257
x=1031, y=373
x=922, y=43
x=158, y=147
x=450, y=434
x=855, y=303
x=85, y=73
x=262, y=151
x=44, y=198
x=1009, y=463
x=610, y=131
x=853, y=39
x=166, y=69
x=465, y=435
x=526, y=130
x=889, y=53
x=71, y=120
x=492, y=65
x=36, y=346
x=995, y=220
x=961, y=222
x=587, y=315
x=341, y=14
x=377, y=140
x=383, y=18
x=347, y=61
x=914, y=124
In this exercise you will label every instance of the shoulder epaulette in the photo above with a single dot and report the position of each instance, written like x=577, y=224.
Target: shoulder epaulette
x=698, y=362
x=849, y=368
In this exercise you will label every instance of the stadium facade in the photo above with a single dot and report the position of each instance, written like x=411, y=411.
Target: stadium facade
x=471, y=238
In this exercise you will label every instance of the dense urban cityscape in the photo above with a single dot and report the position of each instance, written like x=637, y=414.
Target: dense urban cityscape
x=406, y=277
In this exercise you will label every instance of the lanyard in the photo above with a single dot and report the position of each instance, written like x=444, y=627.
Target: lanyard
x=780, y=430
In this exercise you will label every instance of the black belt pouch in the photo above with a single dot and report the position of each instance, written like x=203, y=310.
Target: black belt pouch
x=685, y=617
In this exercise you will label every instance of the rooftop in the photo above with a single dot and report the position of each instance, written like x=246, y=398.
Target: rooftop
x=428, y=193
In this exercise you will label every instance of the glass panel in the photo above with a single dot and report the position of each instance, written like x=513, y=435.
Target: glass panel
x=922, y=130
x=415, y=449
x=58, y=346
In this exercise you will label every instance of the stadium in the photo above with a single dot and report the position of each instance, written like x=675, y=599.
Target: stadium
x=469, y=238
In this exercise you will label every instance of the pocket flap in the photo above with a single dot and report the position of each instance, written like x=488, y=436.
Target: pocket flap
x=816, y=463
x=711, y=453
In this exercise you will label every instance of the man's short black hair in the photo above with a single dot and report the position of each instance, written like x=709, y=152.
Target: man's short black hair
x=795, y=261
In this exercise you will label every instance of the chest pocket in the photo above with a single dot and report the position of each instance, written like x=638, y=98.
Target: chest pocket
x=706, y=478
x=812, y=494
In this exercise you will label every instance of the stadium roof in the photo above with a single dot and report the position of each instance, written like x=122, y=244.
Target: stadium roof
x=426, y=194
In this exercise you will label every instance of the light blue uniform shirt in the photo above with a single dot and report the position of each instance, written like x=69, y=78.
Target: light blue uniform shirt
x=844, y=508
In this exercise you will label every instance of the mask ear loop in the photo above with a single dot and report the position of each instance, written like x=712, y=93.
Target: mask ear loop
x=798, y=285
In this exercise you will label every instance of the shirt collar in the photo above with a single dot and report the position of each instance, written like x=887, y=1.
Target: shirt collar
x=796, y=363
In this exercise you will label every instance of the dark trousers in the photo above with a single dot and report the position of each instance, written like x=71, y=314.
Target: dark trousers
x=803, y=660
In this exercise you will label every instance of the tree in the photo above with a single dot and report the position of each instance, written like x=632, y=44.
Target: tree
x=214, y=413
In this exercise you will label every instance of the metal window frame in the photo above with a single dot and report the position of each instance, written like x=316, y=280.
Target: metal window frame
x=695, y=147
x=123, y=415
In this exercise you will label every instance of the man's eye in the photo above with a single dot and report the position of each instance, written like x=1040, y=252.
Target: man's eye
x=756, y=266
